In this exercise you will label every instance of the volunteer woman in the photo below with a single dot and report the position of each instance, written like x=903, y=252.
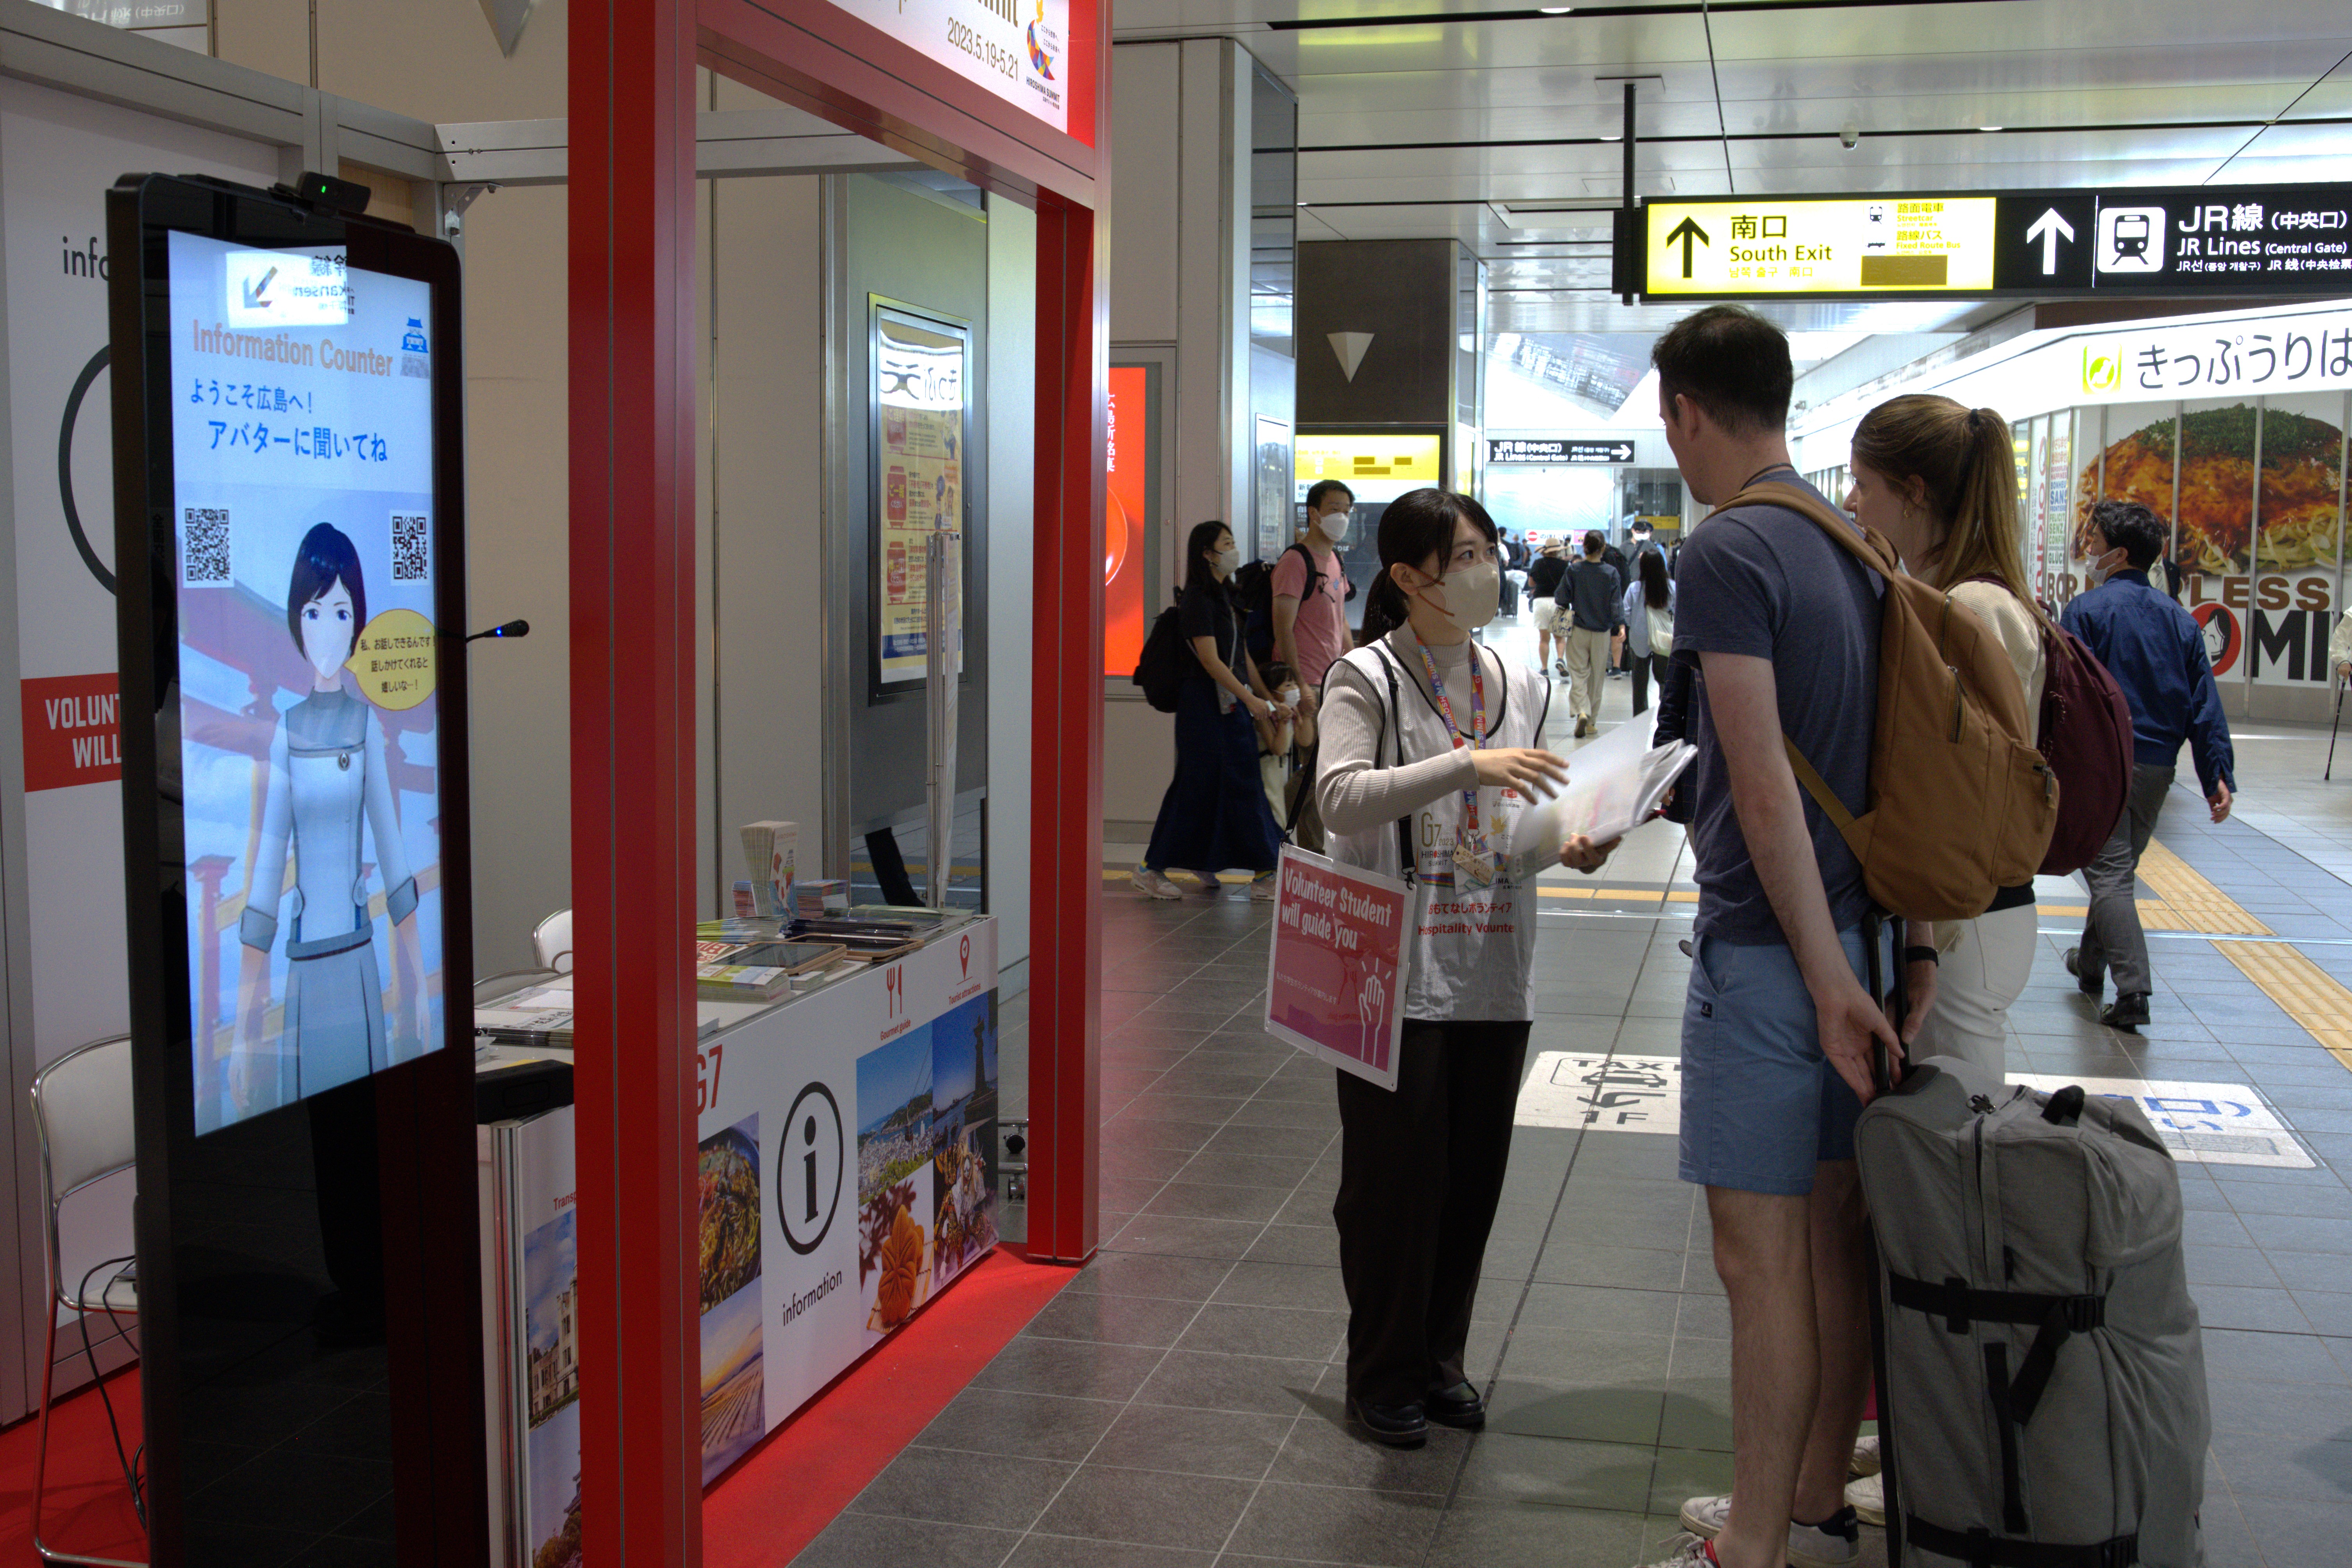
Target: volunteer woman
x=1428, y=756
x=1939, y=481
x=1214, y=815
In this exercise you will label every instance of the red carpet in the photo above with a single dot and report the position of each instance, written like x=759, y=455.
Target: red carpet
x=783, y=1492
x=760, y=1514
x=89, y=1507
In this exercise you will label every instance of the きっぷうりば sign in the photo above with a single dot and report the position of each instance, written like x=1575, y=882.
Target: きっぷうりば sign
x=72, y=729
x=1335, y=973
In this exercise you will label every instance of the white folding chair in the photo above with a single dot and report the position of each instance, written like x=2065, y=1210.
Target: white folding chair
x=552, y=941
x=81, y=1107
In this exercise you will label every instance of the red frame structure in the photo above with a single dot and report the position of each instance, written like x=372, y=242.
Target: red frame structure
x=632, y=491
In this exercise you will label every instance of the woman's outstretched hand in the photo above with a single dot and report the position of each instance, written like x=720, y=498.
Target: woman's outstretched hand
x=1530, y=770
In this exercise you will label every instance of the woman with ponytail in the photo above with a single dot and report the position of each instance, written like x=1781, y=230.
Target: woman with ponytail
x=1940, y=482
x=1429, y=754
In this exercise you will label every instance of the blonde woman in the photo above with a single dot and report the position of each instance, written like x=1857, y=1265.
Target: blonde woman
x=1940, y=482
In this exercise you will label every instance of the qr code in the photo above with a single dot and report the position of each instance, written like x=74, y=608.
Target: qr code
x=204, y=546
x=412, y=560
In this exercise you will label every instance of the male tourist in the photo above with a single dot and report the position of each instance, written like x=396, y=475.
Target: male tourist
x=1590, y=596
x=1543, y=588
x=1778, y=1026
x=1310, y=623
x=2155, y=651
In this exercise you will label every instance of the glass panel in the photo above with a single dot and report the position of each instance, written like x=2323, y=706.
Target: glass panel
x=2300, y=494
x=1273, y=212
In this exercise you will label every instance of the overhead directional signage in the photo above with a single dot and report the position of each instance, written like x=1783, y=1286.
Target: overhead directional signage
x=2197, y=240
x=1556, y=449
x=1768, y=246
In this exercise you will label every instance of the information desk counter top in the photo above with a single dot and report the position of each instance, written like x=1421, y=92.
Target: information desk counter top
x=845, y=1175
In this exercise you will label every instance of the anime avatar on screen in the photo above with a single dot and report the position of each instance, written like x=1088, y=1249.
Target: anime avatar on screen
x=326, y=777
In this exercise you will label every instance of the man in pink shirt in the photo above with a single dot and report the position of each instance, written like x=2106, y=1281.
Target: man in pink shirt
x=1310, y=618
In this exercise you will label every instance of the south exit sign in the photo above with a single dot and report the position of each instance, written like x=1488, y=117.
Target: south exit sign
x=2226, y=240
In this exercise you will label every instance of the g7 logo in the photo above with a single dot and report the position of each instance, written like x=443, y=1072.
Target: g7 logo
x=809, y=1169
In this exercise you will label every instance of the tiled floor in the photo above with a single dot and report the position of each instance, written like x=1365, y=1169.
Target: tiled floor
x=1180, y=1402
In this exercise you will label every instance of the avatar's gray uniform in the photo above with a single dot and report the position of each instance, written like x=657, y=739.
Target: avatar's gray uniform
x=326, y=769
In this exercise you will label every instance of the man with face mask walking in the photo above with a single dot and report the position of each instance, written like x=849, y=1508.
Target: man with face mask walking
x=2155, y=651
x=1310, y=623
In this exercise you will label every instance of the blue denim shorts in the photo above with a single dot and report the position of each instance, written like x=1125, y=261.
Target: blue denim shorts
x=1761, y=1105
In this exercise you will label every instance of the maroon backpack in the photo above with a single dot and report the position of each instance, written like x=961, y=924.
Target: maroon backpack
x=2086, y=739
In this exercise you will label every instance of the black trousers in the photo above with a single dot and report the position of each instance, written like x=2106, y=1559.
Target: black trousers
x=1646, y=666
x=1420, y=1170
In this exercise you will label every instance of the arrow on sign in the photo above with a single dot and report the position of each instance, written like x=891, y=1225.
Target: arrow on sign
x=1685, y=234
x=2048, y=228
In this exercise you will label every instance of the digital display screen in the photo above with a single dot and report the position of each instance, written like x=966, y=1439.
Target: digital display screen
x=1126, y=521
x=309, y=765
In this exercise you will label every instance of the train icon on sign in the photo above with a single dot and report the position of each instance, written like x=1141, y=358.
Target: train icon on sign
x=2131, y=239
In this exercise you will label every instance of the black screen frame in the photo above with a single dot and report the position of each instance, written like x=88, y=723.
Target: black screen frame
x=416, y=1189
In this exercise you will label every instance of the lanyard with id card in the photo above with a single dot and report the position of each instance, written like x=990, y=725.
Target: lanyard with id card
x=1473, y=857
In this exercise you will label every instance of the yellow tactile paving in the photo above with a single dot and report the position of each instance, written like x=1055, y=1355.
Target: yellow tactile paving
x=2185, y=901
x=2308, y=994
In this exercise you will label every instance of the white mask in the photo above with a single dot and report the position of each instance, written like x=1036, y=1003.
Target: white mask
x=1229, y=559
x=1474, y=595
x=1289, y=694
x=1334, y=525
x=2099, y=568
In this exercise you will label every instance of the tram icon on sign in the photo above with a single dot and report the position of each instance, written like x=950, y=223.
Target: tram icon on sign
x=2131, y=239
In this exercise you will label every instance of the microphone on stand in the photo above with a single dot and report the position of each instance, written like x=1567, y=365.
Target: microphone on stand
x=511, y=629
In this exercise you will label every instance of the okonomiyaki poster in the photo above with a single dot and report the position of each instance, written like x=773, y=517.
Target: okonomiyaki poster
x=2259, y=532
x=302, y=452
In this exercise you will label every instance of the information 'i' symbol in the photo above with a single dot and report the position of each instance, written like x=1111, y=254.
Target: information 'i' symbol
x=808, y=1163
x=813, y=1140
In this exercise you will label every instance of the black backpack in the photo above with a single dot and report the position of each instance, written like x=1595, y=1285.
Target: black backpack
x=1253, y=589
x=1165, y=662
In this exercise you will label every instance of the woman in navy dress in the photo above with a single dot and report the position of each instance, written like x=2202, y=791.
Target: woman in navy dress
x=1214, y=816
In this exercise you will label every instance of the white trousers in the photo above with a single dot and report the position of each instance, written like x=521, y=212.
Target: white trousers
x=1981, y=976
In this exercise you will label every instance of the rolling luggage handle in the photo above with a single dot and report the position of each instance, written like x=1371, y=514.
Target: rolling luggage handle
x=1874, y=930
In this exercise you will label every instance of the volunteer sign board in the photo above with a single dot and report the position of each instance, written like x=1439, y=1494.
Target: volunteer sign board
x=1335, y=971
x=2293, y=239
x=1555, y=450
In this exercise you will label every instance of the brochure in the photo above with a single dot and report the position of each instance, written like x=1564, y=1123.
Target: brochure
x=1614, y=785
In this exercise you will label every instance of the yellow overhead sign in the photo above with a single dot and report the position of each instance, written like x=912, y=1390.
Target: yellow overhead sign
x=1901, y=245
x=1374, y=468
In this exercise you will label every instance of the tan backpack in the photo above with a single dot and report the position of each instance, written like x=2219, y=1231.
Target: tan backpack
x=1961, y=805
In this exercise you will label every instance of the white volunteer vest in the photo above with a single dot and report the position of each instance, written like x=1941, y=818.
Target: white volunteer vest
x=1472, y=954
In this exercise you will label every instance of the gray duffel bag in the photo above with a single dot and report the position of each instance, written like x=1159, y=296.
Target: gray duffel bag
x=2042, y=1398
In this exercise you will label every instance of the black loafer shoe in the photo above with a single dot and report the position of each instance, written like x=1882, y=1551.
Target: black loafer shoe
x=2127, y=1012
x=1459, y=1406
x=2093, y=987
x=1397, y=1426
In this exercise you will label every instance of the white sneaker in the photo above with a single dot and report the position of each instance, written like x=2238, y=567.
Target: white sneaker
x=1687, y=1552
x=1866, y=1457
x=1152, y=885
x=1835, y=1545
x=1867, y=1498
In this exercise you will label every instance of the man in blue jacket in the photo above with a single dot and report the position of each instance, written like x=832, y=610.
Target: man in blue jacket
x=2155, y=651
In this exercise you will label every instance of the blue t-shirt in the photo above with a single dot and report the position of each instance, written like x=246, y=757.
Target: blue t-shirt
x=1767, y=581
